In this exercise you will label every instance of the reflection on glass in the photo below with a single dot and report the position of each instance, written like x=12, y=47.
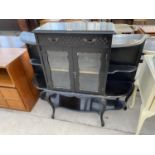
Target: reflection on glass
x=61, y=79
x=58, y=60
x=89, y=62
x=59, y=66
x=88, y=82
x=89, y=68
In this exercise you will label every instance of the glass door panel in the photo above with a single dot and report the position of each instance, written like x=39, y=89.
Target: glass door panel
x=88, y=82
x=89, y=64
x=61, y=79
x=59, y=67
x=58, y=60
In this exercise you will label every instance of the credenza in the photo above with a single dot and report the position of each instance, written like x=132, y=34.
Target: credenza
x=16, y=74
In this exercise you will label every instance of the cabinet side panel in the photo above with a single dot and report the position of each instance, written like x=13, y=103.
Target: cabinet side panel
x=25, y=60
x=22, y=84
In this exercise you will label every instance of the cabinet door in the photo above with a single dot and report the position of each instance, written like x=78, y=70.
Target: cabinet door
x=58, y=64
x=91, y=68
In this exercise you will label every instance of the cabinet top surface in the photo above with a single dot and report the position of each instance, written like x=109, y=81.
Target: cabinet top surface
x=11, y=42
x=7, y=55
x=76, y=27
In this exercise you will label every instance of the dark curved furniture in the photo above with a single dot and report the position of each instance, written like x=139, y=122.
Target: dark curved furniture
x=73, y=58
x=125, y=56
x=29, y=39
x=127, y=49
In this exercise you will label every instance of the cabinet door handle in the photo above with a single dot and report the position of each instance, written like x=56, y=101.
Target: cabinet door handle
x=53, y=39
x=90, y=40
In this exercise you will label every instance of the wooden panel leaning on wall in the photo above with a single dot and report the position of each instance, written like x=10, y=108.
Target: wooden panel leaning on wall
x=16, y=88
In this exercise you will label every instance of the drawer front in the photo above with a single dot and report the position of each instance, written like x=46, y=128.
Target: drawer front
x=15, y=104
x=75, y=40
x=1, y=96
x=10, y=93
x=3, y=103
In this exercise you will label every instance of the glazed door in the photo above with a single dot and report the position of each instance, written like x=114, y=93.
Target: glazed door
x=90, y=67
x=59, y=68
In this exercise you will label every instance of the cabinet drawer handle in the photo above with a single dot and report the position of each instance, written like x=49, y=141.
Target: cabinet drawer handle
x=89, y=40
x=53, y=39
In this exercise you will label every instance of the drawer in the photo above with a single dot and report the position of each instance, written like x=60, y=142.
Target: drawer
x=3, y=103
x=75, y=40
x=93, y=40
x=54, y=40
x=10, y=93
x=1, y=96
x=15, y=104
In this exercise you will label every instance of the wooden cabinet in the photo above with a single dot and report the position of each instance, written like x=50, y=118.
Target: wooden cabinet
x=16, y=74
x=3, y=103
x=9, y=93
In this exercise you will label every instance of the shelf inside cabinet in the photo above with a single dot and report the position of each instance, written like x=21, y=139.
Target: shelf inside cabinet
x=81, y=72
x=121, y=68
x=88, y=72
x=5, y=79
x=35, y=62
x=117, y=88
x=59, y=70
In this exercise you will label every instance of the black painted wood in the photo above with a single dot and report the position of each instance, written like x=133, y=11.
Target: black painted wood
x=75, y=39
x=87, y=47
x=77, y=27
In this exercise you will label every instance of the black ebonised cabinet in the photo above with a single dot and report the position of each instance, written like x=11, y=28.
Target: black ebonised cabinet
x=74, y=58
x=76, y=62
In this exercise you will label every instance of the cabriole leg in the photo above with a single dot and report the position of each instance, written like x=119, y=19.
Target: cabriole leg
x=52, y=105
x=103, y=108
